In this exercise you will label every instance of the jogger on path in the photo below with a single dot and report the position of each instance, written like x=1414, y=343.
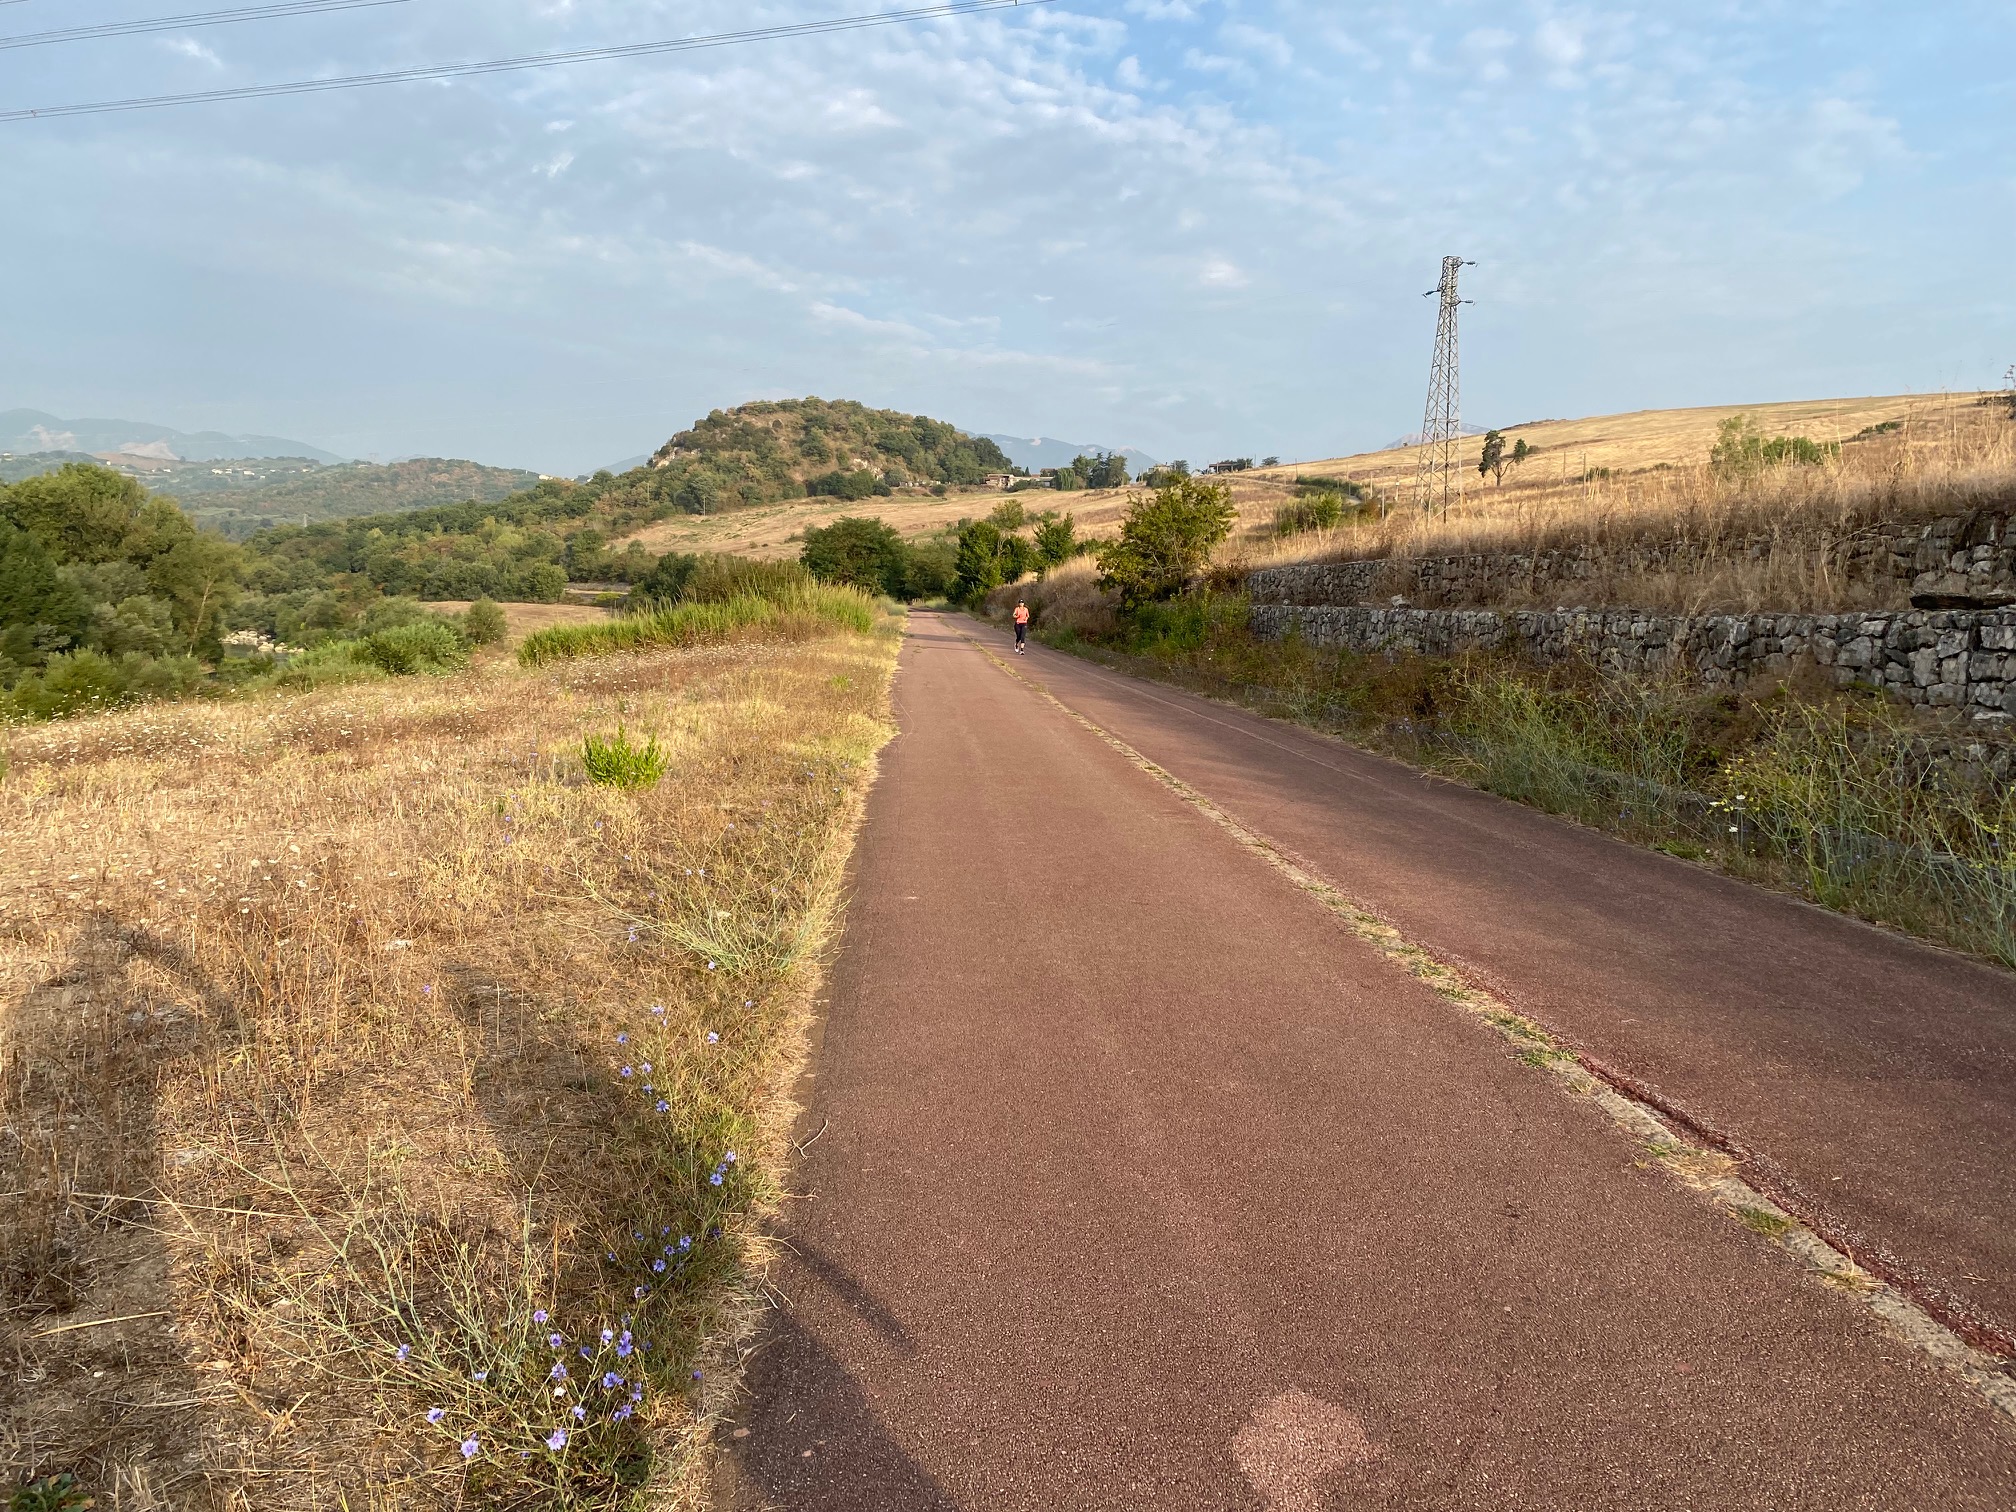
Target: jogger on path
x=1021, y=628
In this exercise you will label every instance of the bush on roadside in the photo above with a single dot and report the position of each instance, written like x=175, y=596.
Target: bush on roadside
x=1166, y=540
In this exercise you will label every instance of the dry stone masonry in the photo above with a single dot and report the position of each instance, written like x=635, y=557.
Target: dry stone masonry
x=1963, y=660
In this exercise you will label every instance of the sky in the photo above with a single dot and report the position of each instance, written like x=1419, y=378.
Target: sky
x=1198, y=227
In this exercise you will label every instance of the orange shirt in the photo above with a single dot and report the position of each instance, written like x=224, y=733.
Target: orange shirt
x=1021, y=614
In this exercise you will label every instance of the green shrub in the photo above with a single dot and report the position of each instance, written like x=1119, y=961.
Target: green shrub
x=618, y=761
x=1742, y=450
x=1317, y=511
x=329, y=664
x=432, y=645
x=1166, y=540
x=483, y=623
x=805, y=609
x=719, y=578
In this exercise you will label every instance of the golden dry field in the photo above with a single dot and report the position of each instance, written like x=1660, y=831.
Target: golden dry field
x=521, y=620
x=387, y=1111
x=1656, y=461
x=1631, y=476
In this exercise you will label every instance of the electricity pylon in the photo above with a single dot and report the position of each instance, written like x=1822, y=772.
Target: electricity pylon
x=1440, y=478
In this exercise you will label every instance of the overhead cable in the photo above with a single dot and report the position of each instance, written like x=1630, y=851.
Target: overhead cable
x=530, y=60
x=185, y=23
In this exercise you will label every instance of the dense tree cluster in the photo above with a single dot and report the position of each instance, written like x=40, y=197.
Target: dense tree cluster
x=104, y=590
x=784, y=449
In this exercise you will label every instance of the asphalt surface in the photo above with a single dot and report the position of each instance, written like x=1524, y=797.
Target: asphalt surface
x=1139, y=1183
x=1869, y=1080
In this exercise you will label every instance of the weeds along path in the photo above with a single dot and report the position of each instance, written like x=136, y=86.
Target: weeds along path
x=1136, y=1179
x=1868, y=1082
x=384, y=1106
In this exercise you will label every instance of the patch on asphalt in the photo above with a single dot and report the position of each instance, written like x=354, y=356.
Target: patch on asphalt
x=1292, y=1442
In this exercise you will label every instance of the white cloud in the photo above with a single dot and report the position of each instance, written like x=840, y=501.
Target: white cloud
x=189, y=47
x=1261, y=43
x=1222, y=273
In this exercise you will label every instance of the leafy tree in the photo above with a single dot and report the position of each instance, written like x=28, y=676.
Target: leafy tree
x=42, y=612
x=483, y=623
x=1166, y=539
x=1521, y=451
x=859, y=484
x=1056, y=539
x=863, y=553
x=1101, y=470
x=666, y=582
x=977, y=568
x=1008, y=515
x=1492, y=463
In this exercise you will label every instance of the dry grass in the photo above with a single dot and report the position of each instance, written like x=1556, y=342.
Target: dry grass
x=776, y=532
x=1948, y=454
x=311, y=1096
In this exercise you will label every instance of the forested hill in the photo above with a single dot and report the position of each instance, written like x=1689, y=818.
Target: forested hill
x=241, y=498
x=784, y=449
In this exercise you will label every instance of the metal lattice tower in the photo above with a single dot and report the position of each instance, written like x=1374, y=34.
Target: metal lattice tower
x=1441, y=479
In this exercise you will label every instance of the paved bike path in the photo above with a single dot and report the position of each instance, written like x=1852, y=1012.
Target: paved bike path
x=1871, y=1080
x=1138, y=1183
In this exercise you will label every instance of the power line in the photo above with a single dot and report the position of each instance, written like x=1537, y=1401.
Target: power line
x=180, y=23
x=531, y=60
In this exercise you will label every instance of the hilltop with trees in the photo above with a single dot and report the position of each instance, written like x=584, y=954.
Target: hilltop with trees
x=793, y=448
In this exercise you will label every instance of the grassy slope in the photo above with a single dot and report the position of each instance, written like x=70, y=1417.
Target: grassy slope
x=1625, y=443
x=308, y=1027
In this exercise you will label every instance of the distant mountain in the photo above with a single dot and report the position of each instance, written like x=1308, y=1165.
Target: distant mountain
x=24, y=430
x=1039, y=452
x=628, y=464
x=1413, y=438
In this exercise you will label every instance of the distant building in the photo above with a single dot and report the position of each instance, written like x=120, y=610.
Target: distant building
x=1000, y=480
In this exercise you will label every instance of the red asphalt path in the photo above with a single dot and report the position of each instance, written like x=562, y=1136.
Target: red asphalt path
x=1139, y=1183
x=1870, y=1080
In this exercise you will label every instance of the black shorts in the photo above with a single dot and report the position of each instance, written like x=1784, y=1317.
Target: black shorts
x=1021, y=633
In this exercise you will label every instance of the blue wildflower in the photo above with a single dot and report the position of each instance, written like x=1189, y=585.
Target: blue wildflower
x=557, y=1373
x=470, y=1448
x=580, y=1412
x=558, y=1439
x=664, y=1106
x=611, y=1380
x=435, y=1414
x=481, y=1375
x=715, y=1179
x=539, y=1316
x=623, y=1038
x=402, y=1352
x=713, y=1038
x=555, y=1340
x=608, y=1336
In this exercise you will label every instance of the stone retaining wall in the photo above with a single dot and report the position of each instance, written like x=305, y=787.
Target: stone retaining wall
x=1967, y=555
x=1964, y=660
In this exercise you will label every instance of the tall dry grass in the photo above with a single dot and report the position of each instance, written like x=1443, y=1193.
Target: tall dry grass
x=1758, y=535
x=352, y=1044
